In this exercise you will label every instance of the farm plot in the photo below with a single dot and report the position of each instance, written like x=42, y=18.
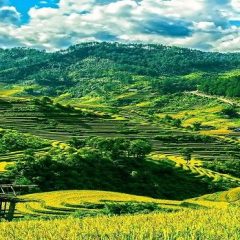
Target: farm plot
x=61, y=125
x=231, y=196
x=195, y=166
x=87, y=203
x=62, y=203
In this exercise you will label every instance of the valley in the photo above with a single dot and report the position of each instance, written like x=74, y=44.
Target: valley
x=108, y=137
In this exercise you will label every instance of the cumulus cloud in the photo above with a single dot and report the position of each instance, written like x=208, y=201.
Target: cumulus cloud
x=202, y=24
x=236, y=5
x=9, y=15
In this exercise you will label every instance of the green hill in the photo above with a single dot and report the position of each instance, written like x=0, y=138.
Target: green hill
x=102, y=68
x=106, y=129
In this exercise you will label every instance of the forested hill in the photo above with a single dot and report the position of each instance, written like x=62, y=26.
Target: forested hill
x=166, y=68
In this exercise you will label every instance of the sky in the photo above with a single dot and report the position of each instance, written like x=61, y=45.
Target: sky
x=209, y=25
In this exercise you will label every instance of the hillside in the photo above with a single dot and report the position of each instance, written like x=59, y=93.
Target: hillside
x=84, y=203
x=130, y=93
x=67, y=131
x=232, y=197
x=100, y=68
x=120, y=142
x=142, y=218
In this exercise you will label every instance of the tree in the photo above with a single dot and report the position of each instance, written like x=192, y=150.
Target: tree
x=177, y=123
x=77, y=142
x=187, y=154
x=140, y=148
x=197, y=126
x=230, y=111
x=113, y=148
x=46, y=100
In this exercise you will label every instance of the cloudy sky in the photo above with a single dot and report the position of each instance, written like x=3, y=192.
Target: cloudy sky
x=212, y=25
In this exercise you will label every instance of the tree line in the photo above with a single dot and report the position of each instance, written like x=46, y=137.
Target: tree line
x=106, y=67
x=112, y=164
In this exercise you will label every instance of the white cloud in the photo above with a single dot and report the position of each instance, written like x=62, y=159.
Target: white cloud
x=70, y=6
x=236, y=5
x=190, y=23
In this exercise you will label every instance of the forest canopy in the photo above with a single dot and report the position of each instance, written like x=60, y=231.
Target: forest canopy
x=106, y=67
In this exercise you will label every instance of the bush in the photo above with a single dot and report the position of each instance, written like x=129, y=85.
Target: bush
x=131, y=208
x=15, y=141
x=230, y=112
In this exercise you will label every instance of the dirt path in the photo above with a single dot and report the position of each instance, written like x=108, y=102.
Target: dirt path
x=221, y=99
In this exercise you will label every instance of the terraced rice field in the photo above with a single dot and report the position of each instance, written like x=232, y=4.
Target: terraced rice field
x=195, y=167
x=231, y=196
x=63, y=203
x=92, y=203
x=25, y=116
x=211, y=224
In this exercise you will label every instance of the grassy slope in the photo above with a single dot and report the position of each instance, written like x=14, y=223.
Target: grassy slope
x=19, y=116
x=64, y=203
x=195, y=167
x=139, y=96
x=133, y=101
x=231, y=196
x=179, y=225
x=61, y=203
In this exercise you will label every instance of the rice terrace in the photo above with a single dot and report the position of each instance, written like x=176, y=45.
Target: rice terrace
x=119, y=120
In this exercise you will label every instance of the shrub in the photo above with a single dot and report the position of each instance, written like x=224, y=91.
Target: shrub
x=131, y=208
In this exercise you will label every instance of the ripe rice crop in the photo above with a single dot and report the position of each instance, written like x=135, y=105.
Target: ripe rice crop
x=209, y=224
x=62, y=202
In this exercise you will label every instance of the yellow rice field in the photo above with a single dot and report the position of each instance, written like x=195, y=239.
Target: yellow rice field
x=212, y=224
x=70, y=201
x=3, y=165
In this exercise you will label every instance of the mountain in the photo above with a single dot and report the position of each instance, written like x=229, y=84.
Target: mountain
x=98, y=68
x=146, y=120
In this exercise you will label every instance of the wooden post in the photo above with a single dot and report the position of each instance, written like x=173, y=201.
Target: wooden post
x=0, y=207
x=8, y=200
x=5, y=208
x=11, y=209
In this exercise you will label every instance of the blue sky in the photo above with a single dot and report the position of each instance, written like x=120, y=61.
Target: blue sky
x=23, y=6
x=210, y=25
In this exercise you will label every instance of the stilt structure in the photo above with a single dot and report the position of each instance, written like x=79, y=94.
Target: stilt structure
x=9, y=199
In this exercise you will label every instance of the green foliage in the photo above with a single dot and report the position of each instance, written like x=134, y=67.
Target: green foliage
x=187, y=138
x=174, y=85
x=119, y=208
x=140, y=148
x=172, y=121
x=106, y=68
x=15, y=141
x=107, y=164
x=227, y=167
x=117, y=148
x=131, y=208
x=76, y=142
x=197, y=126
x=187, y=154
x=230, y=112
x=221, y=85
